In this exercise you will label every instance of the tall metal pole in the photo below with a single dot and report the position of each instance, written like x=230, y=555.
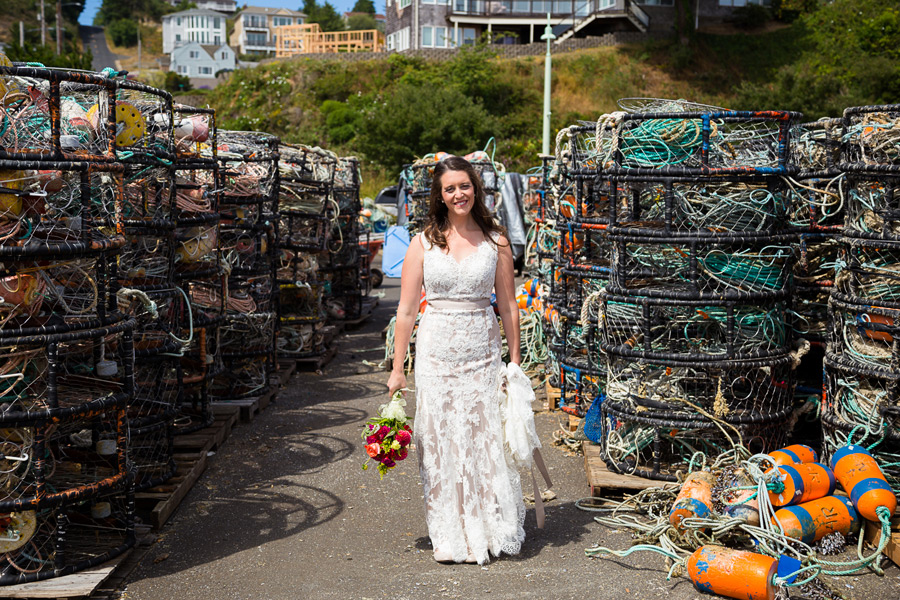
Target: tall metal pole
x=59, y=37
x=548, y=35
x=139, y=47
x=22, y=34
x=43, y=25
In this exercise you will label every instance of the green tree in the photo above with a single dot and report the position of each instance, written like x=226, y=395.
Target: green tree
x=123, y=32
x=364, y=6
x=325, y=15
x=176, y=83
x=71, y=58
x=357, y=22
x=412, y=121
x=111, y=11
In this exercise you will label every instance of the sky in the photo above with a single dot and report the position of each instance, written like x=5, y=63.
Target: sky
x=91, y=6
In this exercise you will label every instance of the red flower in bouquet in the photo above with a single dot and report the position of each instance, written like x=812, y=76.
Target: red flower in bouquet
x=387, y=436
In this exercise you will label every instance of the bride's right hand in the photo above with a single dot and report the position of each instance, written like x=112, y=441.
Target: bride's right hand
x=397, y=381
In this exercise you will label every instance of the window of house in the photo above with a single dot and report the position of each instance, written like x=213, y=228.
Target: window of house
x=658, y=2
x=217, y=39
x=256, y=39
x=401, y=40
x=177, y=37
x=404, y=3
x=182, y=70
x=427, y=39
x=215, y=22
x=281, y=21
x=178, y=21
x=224, y=56
x=205, y=70
x=465, y=36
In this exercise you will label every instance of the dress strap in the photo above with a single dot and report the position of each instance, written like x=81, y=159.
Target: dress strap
x=424, y=241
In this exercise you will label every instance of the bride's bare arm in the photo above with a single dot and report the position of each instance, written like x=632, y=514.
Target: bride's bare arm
x=505, y=288
x=411, y=279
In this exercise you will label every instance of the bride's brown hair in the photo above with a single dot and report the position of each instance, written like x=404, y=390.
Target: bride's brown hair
x=438, y=220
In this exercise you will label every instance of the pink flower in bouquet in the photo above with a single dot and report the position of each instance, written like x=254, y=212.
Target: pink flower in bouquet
x=388, y=463
x=383, y=431
x=373, y=449
x=372, y=439
x=401, y=453
x=403, y=437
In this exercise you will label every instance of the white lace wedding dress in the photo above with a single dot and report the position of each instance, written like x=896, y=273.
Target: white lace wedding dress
x=473, y=497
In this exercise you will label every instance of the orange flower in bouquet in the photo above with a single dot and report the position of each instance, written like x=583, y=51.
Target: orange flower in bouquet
x=388, y=436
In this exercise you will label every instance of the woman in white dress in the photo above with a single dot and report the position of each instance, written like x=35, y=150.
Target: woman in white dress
x=473, y=497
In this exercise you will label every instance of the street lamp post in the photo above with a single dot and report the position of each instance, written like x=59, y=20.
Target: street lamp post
x=548, y=35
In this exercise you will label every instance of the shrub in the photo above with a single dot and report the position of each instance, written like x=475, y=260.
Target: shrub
x=751, y=16
x=123, y=32
x=177, y=83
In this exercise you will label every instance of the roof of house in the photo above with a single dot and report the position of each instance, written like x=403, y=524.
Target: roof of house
x=262, y=10
x=195, y=11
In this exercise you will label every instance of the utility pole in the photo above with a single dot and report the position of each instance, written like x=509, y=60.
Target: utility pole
x=548, y=35
x=43, y=25
x=59, y=37
x=22, y=34
x=139, y=48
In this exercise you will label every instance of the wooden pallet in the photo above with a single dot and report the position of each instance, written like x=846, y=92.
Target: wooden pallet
x=249, y=408
x=316, y=363
x=873, y=536
x=157, y=504
x=369, y=304
x=600, y=479
x=551, y=400
x=76, y=585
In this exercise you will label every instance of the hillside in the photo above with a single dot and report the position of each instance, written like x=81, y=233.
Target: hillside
x=388, y=111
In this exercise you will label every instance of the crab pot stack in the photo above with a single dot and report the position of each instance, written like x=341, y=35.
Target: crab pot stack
x=248, y=210
x=343, y=268
x=305, y=218
x=862, y=365
x=418, y=181
x=145, y=147
x=66, y=362
x=199, y=269
x=540, y=215
x=695, y=321
x=580, y=271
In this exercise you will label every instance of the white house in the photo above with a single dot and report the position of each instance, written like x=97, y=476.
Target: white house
x=194, y=25
x=222, y=6
x=254, y=28
x=201, y=62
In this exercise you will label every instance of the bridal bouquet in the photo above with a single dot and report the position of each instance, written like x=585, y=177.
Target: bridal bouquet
x=387, y=436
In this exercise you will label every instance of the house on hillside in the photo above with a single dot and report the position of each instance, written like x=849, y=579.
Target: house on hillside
x=414, y=24
x=195, y=25
x=202, y=62
x=254, y=29
x=293, y=40
x=223, y=6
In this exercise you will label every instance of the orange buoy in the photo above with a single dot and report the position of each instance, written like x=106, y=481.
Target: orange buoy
x=795, y=454
x=744, y=504
x=861, y=477
x=811, y=521
x=694, y=499
x=803, y=482
x=732, y=573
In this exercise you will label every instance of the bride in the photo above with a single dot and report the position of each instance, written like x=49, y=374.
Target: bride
x=473, y=498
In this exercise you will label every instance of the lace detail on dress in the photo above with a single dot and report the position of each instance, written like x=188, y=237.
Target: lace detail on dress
x=473, y=498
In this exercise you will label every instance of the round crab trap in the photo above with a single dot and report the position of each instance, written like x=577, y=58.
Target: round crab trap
x=697, y=143
x=701, y=267
x=144, y=123
x=692, y=207
x=59, y=208
x=870, y=140
x=656, y=416
x=871, y=204
x=694, y=330
x=860, y=406
x=870, y=269
x=49, y=114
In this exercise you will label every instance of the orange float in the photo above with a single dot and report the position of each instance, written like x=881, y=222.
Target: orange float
x=811, y=521
x=732, y=573
x=795, y=454
x=863, y=480
x=694, y=499
x=802, y=483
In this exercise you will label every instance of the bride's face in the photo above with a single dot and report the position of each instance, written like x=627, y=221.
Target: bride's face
x=458, y=192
